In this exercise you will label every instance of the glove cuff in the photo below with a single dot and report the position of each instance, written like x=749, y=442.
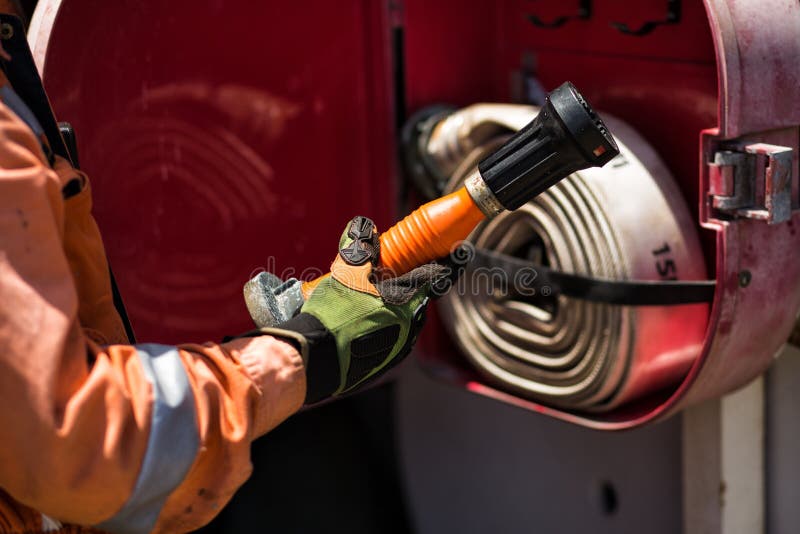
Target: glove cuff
x=295, y=339
x=317, y=346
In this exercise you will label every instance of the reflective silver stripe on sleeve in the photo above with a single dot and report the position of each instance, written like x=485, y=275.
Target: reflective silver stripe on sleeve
x=171, y=447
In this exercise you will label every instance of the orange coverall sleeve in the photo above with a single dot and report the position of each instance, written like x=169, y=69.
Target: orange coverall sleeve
x=128, y=438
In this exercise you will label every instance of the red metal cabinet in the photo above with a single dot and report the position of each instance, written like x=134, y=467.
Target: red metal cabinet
x=242, y=135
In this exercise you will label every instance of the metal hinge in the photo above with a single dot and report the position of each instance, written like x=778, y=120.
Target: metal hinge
x=752, y=181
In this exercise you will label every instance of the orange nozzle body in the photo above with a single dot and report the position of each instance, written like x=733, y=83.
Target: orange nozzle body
x=425, y=235
x=429, y=232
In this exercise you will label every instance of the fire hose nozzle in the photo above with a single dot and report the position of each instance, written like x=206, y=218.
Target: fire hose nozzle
x=566, y=136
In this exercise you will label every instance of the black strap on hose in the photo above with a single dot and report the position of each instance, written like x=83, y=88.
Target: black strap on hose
x=24, y=79
x=526, y=279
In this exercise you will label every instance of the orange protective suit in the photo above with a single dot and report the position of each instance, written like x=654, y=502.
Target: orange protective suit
x=94, y=431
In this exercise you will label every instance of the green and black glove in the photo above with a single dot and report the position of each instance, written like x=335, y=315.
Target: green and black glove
x=354, y=327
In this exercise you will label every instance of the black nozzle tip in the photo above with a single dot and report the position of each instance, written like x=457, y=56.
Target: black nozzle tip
x=586, y=127
x=566, y=136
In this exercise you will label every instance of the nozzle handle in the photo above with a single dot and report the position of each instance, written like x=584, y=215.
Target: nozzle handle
x=430, y=232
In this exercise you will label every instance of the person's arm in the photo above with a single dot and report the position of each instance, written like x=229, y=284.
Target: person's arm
x=131, y=438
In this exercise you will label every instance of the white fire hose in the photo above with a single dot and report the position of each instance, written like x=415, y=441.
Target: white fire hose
x=625, y=221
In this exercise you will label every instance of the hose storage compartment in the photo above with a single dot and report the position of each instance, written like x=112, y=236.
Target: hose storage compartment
x=625, y=221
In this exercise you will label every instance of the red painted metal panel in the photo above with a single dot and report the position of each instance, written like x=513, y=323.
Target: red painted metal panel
x=222, y=139
x=688, y=41
x=449, y=52
x=758, y=45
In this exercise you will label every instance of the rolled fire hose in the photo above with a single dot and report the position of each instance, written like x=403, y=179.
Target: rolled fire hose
x=625, y=221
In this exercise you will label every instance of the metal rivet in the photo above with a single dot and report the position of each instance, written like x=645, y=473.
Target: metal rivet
x=6, y=31
x=744, y=278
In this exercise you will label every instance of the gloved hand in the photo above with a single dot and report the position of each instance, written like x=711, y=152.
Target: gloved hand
x=355, y=327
